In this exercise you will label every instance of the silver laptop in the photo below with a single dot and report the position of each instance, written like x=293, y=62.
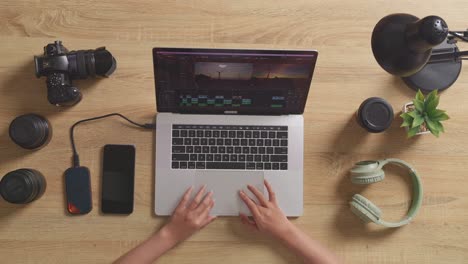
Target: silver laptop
x=227, y=118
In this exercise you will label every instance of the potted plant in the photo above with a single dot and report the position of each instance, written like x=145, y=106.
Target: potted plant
x=421, y=116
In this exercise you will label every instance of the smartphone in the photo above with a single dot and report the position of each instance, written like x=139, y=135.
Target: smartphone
x=118, y=177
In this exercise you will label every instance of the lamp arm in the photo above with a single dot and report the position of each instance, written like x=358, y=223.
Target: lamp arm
x=460, y=35
x=444, y=55
x=450, y=54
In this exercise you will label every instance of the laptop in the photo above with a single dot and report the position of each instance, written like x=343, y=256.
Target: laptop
x=227, y=118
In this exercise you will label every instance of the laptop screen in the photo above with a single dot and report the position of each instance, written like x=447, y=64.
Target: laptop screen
x=222, y=81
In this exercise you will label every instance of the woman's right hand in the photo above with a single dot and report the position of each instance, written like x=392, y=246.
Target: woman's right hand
x=267, y=216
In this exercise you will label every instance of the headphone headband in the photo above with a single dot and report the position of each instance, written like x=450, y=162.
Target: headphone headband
x=400, y=162
x=417, y=194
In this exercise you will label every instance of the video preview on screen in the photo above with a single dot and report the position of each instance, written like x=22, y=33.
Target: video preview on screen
x=216, y=82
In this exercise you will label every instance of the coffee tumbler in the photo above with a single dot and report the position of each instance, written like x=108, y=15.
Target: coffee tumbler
x=375, y=115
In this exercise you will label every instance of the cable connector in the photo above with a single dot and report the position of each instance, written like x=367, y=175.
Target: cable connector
x=76, y=160
x=149, y=126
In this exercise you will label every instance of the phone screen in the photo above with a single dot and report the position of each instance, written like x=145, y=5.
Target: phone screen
x=118, y=179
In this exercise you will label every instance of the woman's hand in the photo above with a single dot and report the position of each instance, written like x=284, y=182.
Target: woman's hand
x=268, y=217
x=190, y=217
x=187, y=219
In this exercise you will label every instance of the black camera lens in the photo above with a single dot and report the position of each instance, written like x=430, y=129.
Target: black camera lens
x=85, y=63
x=22, y=186
x=30, y=131
x=105, y=62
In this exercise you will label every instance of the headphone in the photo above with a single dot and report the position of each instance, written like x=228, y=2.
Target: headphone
x=370, y=171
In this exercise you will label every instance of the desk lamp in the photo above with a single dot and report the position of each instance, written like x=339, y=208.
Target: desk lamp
x=421, y=51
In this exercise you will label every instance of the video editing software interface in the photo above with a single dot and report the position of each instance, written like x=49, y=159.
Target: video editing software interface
x=232, y=81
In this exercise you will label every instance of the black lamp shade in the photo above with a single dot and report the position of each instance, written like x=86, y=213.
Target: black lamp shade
x=402, y=43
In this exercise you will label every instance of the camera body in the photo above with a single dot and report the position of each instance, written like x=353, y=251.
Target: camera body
x=61, y=66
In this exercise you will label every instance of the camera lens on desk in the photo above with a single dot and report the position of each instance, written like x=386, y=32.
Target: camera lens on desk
x=375, y=115
x=30, y=131
x=22, y=186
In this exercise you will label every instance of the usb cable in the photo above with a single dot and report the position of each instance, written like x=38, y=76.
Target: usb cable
x=76, y=157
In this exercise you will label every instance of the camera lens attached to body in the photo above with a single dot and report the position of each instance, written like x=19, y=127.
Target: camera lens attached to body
x=84, y=63
x=61, y=66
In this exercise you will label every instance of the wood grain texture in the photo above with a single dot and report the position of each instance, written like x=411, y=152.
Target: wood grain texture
x=346, y=74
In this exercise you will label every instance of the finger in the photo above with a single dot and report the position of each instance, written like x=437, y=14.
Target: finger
x=248, y=222
x=210, y=219
x=271, y=193
x=250, y=204
x=207, y=209
x=245, y=218
x=207, y=201
x=183, y=202
x=259, y=195
x=206, y=213
x=197, y=198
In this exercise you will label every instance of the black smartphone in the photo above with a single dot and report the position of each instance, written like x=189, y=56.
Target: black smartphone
x=118, y=177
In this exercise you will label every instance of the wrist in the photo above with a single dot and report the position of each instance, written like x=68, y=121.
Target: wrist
x=287, y=232
x=167, y=234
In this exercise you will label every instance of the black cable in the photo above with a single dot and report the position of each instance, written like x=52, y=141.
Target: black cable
x=76, y=157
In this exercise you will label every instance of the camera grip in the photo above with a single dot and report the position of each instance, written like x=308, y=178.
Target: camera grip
x=60, y=91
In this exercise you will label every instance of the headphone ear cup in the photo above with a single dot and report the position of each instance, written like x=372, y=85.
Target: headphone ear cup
x=368, y=178
x=366, y=172
x=365, y=209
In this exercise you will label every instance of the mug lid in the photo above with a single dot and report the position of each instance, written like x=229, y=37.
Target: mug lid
x=376, y=114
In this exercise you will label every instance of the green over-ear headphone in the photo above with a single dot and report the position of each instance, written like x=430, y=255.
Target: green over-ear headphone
x=366, y=172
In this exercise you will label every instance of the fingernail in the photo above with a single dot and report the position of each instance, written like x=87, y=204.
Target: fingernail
x=248, y=185
x=241, y=192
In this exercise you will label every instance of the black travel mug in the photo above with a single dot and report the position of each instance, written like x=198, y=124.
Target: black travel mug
x=375, y=115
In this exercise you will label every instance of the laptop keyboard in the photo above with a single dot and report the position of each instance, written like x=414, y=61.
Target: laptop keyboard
x=229, y=147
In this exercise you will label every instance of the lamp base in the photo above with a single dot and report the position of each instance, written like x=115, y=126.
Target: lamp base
x=436, y=75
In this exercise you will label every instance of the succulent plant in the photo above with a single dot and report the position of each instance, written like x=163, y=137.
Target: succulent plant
x=424, y=115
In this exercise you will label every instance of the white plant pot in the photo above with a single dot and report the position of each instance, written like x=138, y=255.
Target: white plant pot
x=407, y=128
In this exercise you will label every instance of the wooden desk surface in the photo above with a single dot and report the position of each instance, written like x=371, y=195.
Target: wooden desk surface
x=345, y=75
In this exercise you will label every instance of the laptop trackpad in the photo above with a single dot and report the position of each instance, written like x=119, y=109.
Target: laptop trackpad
x=226, y=186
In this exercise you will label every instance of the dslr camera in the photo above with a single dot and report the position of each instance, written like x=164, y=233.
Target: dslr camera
x=61, y=66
